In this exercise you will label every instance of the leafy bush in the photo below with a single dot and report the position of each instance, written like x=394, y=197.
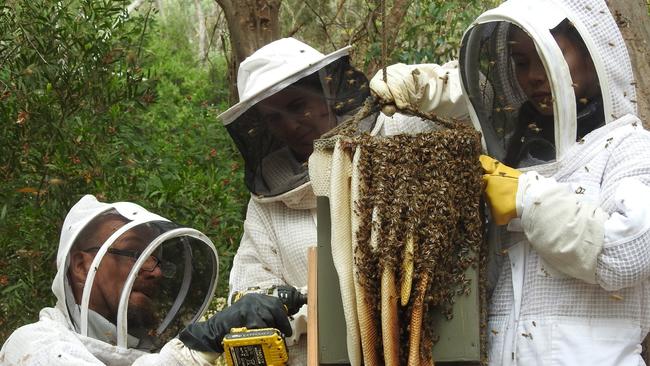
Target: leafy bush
x=91, y=103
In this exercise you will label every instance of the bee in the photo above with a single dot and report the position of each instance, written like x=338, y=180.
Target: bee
x=616, y=297
x=533, y=127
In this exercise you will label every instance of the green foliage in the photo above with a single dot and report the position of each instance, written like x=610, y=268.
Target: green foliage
x=431, y=31
x=93, y=103
x=69, y=75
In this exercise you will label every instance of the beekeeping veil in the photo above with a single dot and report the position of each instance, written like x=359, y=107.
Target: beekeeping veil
x=272, y=168
x=167, y=274
x=494, y=96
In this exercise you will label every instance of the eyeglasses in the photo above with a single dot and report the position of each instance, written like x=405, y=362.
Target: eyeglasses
x=168, y=269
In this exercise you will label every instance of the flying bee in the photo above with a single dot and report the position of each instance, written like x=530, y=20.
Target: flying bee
x=583, y=100
x=328, y=78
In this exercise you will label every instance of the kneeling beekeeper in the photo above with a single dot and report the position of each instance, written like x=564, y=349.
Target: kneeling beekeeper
x=128, y=284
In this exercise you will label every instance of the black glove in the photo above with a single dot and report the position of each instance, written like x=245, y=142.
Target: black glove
x=252, y=311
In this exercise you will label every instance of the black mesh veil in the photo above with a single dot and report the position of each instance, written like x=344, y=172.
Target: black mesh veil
x=523, y=130
x=491, y=84
x=270, y=166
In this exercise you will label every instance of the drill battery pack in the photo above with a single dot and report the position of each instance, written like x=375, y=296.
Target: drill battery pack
x=244, y=347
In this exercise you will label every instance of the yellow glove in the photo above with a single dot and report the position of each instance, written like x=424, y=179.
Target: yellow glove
x=501, y=182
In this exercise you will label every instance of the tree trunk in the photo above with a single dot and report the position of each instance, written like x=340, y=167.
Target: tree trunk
x=634, y=22
x=200, y=18
x=394, y=18
x=251, y=25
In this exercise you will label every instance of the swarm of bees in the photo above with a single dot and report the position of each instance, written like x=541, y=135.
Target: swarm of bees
x=420, y=229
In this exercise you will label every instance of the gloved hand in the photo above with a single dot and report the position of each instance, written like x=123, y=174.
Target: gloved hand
x=421, y=88
x=404, y=86
x=501, y=183
x=252, y=311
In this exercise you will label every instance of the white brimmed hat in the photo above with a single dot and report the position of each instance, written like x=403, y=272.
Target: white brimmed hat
x=273, y=68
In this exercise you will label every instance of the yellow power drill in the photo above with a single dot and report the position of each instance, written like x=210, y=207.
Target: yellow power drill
x=266, y=346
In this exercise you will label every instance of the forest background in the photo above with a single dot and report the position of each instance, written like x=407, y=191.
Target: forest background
x=120, y=99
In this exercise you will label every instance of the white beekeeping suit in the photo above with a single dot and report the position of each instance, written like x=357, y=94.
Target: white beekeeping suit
x=573, y=286
x=281, y=217
x=74, y=334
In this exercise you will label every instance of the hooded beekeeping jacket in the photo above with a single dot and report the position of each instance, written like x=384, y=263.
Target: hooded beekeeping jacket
x=281, y=217
x=72, y=334
x=573, y=283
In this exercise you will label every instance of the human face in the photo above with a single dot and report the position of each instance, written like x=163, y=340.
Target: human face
x=532, y=76
x=113, y=272
x=297, y=116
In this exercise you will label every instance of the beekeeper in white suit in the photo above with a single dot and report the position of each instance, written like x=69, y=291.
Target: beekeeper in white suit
x=550, y=85
x=290, y=94
x=128, y=282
